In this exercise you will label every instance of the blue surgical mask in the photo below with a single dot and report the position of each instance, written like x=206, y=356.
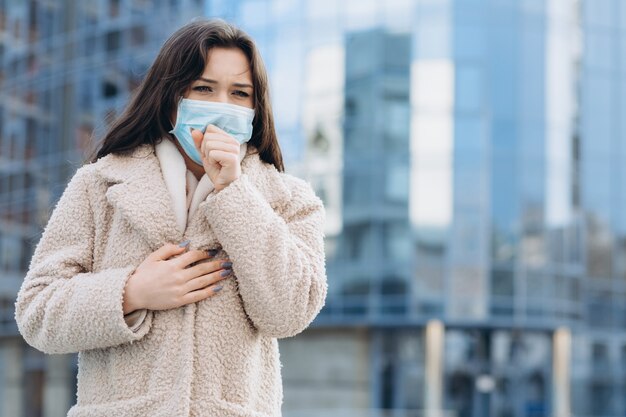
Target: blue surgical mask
x=233, y=119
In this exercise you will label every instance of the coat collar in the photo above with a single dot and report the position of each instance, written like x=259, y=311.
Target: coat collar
x=137, y=190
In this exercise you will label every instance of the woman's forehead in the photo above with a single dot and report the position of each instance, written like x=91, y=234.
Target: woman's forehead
x=229, y=63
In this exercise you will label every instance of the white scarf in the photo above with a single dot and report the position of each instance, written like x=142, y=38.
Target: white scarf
x=186, y=191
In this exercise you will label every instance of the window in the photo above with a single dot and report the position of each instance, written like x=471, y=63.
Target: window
x=397, y=183
x=355, y=237
x=112, y=41
x=502, y=282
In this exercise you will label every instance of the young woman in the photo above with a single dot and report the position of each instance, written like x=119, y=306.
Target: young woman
x=181, y=252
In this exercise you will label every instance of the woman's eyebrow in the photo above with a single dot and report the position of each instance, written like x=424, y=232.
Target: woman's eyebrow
x=240, y=85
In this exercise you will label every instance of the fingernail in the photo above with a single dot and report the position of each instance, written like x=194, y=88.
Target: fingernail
x=212, y=252
x=184, y=243
x=218, y=288
x=227, y=264
x=226, y=272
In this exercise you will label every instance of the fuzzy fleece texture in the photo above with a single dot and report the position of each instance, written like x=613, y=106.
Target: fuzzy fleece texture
x=218, y=357
x=178, y=178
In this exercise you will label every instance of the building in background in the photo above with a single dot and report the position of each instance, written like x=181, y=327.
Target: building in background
x=66, y=69
x=470, y=157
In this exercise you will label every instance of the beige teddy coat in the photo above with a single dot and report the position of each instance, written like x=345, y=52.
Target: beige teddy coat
x=218, y=357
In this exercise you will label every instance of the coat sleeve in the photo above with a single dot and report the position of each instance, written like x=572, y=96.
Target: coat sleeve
x=62, y=305
x=278, y=260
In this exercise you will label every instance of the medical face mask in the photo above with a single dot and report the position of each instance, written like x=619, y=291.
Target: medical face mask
x=234, y=120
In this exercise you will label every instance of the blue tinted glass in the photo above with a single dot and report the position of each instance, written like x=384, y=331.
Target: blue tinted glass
x=469, y=42
x=469, y=88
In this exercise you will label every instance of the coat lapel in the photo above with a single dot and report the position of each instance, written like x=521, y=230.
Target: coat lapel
x=137, y=190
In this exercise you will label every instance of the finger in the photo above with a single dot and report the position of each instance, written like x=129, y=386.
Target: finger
x=211, y=128
x=224, y=158
x=204, y=293
x=207, y=279
x=206, y=267
x=186, y=259
x=219, y=141
x=213, y=131
x=213, y=144
x=167, y=251
x=197, y=137
x=212, y=253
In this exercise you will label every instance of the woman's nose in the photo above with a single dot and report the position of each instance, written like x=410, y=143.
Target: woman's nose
x=222, y=97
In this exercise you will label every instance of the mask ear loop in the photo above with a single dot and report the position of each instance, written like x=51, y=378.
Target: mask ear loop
x=180, y=98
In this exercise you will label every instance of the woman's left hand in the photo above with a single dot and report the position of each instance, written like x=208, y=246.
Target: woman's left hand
x=220, y=155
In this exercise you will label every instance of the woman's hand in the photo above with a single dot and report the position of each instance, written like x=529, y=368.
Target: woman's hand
x=160, y=283
x=220, y=155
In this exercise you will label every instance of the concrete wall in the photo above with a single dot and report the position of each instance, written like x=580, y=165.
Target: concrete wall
x=325, y=368
x=11, y=375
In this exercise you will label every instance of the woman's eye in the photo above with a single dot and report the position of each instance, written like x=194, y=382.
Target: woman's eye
x=241, y=93
x=203, y=89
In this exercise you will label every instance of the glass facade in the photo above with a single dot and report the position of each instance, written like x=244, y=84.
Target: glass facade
x=66, y=68
x=600, y=155
x=479, y=184
x=469, y=154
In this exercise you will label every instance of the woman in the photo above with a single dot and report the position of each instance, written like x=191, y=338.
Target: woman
x=177, y=257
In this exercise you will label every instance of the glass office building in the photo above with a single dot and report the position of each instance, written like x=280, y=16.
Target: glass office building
x=66, y=68
x=470, y=157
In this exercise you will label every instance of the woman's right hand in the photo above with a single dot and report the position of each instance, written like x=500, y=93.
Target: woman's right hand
x=161, y=283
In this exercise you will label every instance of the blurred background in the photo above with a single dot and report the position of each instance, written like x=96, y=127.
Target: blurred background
x=471, y=155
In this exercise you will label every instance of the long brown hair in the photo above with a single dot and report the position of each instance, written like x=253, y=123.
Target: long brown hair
x=180, y=61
